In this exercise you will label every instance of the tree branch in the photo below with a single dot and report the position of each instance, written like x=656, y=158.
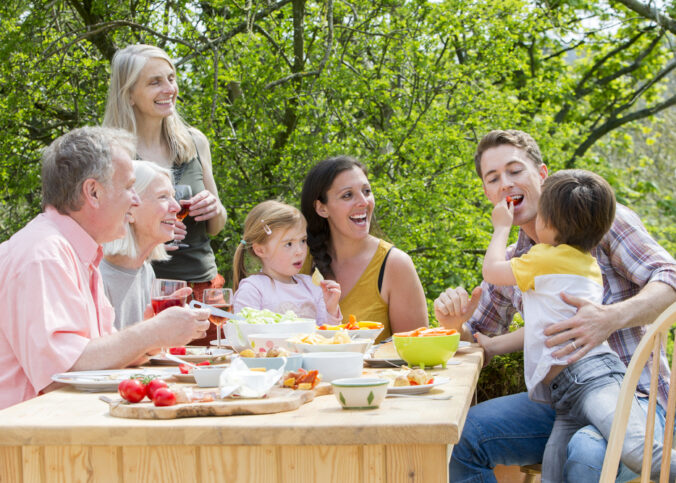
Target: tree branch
x=614, y=123
x=645, y=10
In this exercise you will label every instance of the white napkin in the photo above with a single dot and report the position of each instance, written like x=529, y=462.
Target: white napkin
x=240, y=381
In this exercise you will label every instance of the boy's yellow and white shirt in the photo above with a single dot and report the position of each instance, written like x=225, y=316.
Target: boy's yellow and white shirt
x=542, y=275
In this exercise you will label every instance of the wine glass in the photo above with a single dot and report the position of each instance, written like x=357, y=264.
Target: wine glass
x=182, y=194
x=220, y=298
x=163, y=295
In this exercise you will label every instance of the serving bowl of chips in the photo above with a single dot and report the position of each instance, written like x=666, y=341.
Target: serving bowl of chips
x=340, y=342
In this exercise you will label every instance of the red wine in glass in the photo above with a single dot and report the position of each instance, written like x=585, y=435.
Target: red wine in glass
x=185, y=208
x=161, y=303
x=182, y=194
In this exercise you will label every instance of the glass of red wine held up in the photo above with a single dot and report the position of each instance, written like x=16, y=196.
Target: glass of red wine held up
x=182, y=194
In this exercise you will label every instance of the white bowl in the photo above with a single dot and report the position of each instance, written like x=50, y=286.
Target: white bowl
x=208, y=376
x=238, y=333
x=334, y=365
x=293, y=362
x=357, y=345
x=360, y=392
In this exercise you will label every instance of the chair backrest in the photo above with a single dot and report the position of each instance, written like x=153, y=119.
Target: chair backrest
x=651, y=342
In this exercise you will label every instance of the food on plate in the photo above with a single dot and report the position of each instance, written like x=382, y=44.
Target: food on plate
x=317, y=339
x=132, y=390
x=186, y=369
x=427, y=332
x=352, y=325
x=406, y=377
x=265, y=316
x=302, y=379
x=317, y=277
x=164, y=397
x=178, y=351
x=262, y=353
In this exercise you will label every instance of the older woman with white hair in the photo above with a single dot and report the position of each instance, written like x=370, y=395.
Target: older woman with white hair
x=142, y=99
x=125, y=268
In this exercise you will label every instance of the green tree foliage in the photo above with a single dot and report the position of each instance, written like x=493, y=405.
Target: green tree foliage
x=408, y=86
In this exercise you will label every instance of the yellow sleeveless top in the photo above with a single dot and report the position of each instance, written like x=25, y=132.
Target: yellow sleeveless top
x=364, y=300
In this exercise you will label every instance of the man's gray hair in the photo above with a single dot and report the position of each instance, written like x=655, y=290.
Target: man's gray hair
x=76, y=156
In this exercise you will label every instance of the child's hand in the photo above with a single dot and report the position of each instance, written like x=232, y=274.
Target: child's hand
x=485, y=342
x=331, y=291
x=503, y=214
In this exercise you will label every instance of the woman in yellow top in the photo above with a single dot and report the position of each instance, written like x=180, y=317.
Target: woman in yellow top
x=379, y=282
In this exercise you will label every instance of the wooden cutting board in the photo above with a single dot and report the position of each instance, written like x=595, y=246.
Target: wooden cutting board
x=278, y=400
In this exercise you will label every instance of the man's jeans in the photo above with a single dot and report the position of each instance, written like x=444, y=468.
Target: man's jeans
x=513, y=430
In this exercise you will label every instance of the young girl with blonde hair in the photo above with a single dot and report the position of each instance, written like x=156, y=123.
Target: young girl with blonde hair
x=275, y=233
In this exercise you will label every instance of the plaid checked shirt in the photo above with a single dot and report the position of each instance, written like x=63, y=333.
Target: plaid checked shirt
x=629, y=259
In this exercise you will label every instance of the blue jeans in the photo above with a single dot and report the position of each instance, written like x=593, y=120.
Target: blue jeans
x=587, y=449
x=586, y=393
x=513, y=430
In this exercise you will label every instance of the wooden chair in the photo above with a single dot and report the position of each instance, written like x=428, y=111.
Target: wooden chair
x=650, y=343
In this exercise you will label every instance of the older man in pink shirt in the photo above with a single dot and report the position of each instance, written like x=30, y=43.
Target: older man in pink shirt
x=56, y=317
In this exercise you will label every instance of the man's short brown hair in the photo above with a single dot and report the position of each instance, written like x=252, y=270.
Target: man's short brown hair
x=513, y=137
x=579, y=205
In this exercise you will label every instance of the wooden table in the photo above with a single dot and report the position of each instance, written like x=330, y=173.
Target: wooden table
x=69, y=436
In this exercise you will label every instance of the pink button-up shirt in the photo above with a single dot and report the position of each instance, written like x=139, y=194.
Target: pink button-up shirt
x=54, y=303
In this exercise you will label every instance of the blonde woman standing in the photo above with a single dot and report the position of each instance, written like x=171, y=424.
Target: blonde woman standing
x=142, y=99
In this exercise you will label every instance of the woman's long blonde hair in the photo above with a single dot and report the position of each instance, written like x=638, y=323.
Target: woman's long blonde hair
x=260, y=223
x=126, y=67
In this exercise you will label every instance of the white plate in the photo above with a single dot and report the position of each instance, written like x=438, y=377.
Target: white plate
x=189, y=378
x=463, y=344
x=195, y=354
x=95, y=381
x=373, y=362
x=421, y=389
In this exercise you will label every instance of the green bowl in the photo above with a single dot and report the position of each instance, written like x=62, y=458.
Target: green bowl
x=427, y=351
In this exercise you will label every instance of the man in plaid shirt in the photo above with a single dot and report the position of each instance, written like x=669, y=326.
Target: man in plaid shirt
x=639, y=280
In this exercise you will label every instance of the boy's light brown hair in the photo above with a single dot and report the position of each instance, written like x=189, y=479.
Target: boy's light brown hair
x=579, y=205
x=512, y=137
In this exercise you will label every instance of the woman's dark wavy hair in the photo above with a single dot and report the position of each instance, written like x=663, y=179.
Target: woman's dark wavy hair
x=317, y=182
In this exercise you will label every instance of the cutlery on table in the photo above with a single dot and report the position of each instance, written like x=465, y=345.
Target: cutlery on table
x=172, y=357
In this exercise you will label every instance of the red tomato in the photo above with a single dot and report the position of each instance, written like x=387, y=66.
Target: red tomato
x=164, y=397
x=184, y=368
x=153, y=386
x=177, y=351
x=509, y=199
x=203, y=363
x=132, y=390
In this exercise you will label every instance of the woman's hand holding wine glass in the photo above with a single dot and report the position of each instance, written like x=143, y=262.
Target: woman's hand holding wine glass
x=183, y=194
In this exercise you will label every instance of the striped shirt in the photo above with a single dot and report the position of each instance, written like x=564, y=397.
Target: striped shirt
x=629, y=259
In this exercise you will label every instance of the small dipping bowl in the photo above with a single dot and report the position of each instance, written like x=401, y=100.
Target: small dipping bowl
x=293, y=362
x=208, y=376
x=360, y=392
